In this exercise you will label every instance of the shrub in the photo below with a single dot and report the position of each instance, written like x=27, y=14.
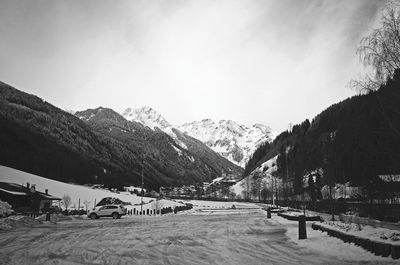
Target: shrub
x=5, y=209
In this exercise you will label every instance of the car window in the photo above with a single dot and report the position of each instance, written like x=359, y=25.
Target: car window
x=112, y=207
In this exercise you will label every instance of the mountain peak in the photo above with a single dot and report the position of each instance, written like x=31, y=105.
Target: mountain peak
x=233, y=141
x=99, y=113
x=146, y=116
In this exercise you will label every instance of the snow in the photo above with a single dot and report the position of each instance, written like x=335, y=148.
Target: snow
x=365, y=231
x=5, y=208
x=267, y=169
x=152, y=119
x=146, y=116
x=177, y=150
x=170, y=132
x=87, y=118
x=217, y=179
x=13, y=192
x=231, y=140
x=76, y=192
x=191, y=158
x=228, y=138
x=206, y=236
x=325, y=244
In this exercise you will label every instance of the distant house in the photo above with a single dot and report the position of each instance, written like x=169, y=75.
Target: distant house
x=25, y=198
x=390, y=178
x=391, y=186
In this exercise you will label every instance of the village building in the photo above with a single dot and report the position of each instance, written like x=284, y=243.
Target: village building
x=25, y=198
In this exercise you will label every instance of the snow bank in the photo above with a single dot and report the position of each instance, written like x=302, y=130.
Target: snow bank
x=5, y=209
x=326, y=245
x=16, y=221
x=365, y=231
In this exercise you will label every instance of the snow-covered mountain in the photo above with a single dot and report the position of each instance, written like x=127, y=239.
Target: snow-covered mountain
x=234, y=141
x=152, y=119
x=146, y=116
x=229, y=139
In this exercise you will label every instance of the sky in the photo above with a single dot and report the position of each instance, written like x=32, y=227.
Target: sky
x=274, y=62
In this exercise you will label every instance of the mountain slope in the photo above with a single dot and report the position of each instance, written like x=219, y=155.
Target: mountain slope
x=146, y=116
x=39, y=138
x=352, y=141
x=153, y=120
x=180, y=159
x=232, y=141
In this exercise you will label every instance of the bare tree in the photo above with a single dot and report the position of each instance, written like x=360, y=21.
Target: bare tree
x=380, y=50
x=225, y=191
x=67, y=201
x=158, y=204
x=232, y=193
x=87, y=204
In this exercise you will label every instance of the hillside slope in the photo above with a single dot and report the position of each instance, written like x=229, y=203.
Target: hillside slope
x=231, y=140
x=178, y=160
x=352, y=141
x=227, y=138
x=38, y=138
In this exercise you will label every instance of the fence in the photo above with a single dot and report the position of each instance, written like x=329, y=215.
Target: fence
x=378, y=211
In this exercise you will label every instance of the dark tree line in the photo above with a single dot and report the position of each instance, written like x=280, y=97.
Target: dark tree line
x=352, y=141
x=258, y=155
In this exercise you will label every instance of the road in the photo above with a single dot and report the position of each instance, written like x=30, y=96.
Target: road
x=241, y=237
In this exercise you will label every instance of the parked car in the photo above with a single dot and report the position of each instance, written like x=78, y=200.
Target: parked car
x=111, y=210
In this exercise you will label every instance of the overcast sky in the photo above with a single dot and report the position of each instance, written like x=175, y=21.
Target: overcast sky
x=273, y=62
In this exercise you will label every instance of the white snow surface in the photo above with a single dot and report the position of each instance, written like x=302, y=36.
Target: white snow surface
x=231, y=140
x=76, y=192
x=207, y=236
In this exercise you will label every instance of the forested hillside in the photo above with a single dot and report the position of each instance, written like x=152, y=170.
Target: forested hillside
x=39, y=138
x=352, y=141
x=166, y=160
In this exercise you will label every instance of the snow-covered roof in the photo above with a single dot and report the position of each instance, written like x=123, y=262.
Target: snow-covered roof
x=16, y=189
x=13, y=192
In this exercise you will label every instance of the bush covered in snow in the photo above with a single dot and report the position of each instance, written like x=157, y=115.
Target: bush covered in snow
x=5, y=209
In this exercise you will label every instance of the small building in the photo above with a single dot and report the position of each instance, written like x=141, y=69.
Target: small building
x=25, y=198
x=133, y=189
x=391, y=187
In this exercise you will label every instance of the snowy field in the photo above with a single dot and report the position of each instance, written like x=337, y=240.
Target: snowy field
x=219, y=238
x=77, y=192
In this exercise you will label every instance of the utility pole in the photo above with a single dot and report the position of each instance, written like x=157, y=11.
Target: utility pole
x=141, y=204
x=272, y=182
x=248, y=184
